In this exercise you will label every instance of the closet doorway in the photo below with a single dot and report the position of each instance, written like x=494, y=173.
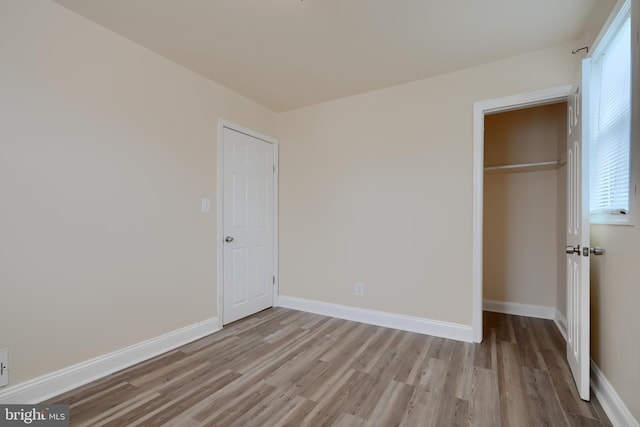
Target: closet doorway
x=524, y=212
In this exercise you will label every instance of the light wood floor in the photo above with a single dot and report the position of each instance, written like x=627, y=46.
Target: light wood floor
x=285, y=367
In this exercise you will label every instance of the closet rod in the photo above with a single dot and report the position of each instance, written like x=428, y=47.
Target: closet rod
x=555, y=163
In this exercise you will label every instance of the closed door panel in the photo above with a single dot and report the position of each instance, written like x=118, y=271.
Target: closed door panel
x=248, y=224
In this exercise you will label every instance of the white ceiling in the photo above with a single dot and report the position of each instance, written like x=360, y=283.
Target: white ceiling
x=287, y=54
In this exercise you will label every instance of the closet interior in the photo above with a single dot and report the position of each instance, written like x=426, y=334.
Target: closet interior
x=525, y=209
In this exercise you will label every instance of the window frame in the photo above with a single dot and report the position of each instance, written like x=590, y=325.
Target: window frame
x=619, y=15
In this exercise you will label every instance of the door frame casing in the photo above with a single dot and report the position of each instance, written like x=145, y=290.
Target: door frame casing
x=480, y=109
x=222, y=124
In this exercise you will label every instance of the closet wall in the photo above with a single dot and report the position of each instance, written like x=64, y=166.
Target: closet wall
x=524, y=207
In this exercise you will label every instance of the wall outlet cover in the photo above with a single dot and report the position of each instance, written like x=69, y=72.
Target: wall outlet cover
x=4, y=367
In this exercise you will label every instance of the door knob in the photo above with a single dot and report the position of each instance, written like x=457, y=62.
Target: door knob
x=572, y=250
x=228, y=239
x=596, y=250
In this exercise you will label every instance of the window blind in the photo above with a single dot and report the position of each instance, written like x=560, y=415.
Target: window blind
x=611, y=125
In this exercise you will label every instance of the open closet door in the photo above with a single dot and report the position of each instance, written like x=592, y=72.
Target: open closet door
x=577, y=248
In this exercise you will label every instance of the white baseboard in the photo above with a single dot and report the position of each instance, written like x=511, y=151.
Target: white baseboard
x=54, y=383
x=420, y=325
x=561, y=323
x=616, y=410
x=539, y=311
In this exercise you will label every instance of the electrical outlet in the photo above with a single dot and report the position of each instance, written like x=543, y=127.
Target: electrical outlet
x=4, y=367
x=359, y=288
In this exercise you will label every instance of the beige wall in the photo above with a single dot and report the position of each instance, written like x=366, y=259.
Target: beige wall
x=520, y=238
x=105, y=152
x=615, y=284
x=520, y=208
x=377, y=188
x=524, y=136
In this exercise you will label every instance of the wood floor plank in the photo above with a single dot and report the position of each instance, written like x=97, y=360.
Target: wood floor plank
x=544, y=406
x=387, y=365
x=600, y=414
x=451, y=411
x=311, y=320
x=295, y=416
x=250, y=399
x=434, y=375
x=331, y=405
x=367, y=398
x=348, y=420
x=580, y=421
x=461, y=413
x=564, y=386
x=356, y=338
x=185, y=406
x=458, y=381
x=414, y=354
x=323, y=381
x=504, y=330
x=513, y=396
x=104, y=402
x=374, y=350
x=528, y=347
x=177, y=407
x=278, y=408
x=284, y=367
x=392, y=406
x=485, y=398
x=482, y=354
x=101, y=418
x=440, y=348
x=419, y=409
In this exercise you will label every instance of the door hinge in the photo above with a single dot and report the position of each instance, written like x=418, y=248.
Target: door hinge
x=274, y=169
x=274, y=280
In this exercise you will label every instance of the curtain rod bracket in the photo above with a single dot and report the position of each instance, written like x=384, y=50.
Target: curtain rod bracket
x=573, y=52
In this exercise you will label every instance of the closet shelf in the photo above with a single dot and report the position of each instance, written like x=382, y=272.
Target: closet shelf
x=524, y=167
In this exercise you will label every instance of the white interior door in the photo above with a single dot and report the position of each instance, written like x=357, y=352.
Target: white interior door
x=578, y=316
x=248, y=225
